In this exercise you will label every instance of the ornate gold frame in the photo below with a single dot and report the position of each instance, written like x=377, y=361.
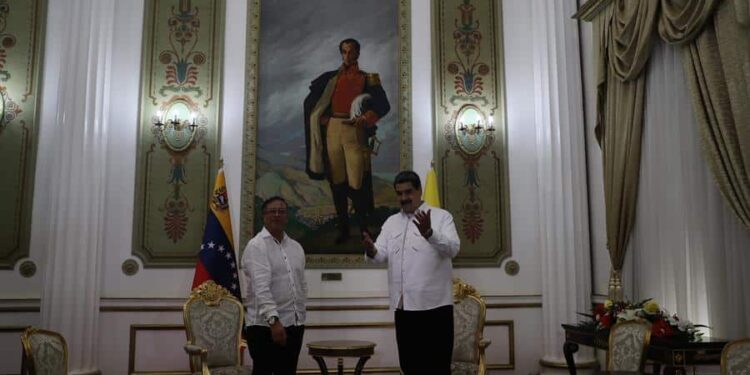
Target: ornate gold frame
x=28, y=353
x=250, y=128
x=646, y=340
x=212, y=294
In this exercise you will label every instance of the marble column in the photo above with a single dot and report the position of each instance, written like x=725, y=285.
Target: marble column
x=563, y=197
x=77, y=60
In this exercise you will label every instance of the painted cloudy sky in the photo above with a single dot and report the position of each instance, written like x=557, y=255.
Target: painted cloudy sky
x=299, y=41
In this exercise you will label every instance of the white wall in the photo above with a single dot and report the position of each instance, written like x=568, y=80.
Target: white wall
x=126, y=300
x=175, y=282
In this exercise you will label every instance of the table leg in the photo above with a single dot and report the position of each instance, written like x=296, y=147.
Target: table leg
x=656, y=368
x=340, y=366
x=568, y=349
x=360, y=365
x=321, y=364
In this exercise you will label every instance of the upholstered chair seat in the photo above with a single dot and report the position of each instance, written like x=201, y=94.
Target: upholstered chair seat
x=468, y=325
x=628, y=343
x=213, y=322
x=44, y=352
x=735, y=358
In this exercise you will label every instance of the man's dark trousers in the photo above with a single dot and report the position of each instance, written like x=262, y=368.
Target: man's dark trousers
x=271, y=358
x=425, y=340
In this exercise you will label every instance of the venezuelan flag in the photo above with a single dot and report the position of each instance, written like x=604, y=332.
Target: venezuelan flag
x=216, y=259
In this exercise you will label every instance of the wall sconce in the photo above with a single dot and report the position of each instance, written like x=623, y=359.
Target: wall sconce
x=473, y=130
x=179, y=127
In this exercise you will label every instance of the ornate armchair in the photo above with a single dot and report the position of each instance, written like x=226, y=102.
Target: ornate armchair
x=468, y=324
x=628, y=342
x=213, y=322
x=735, y=358
x=44, y=352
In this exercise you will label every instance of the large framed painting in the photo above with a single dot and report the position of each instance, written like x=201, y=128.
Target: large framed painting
x=327, y=119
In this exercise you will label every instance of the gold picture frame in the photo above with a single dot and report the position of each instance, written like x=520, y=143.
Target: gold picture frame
x=399, y=96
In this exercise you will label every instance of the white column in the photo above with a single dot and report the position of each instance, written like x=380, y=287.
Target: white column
x=79, y=38
x=563, y=205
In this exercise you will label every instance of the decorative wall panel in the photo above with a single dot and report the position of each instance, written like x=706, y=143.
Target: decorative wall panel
x=178, y=138
x=470, y=126
x=21, y=35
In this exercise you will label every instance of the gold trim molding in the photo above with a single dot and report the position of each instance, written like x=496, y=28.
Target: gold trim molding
x=11, y=329
x=511, y=345
x=149, y=309
x=134, y=328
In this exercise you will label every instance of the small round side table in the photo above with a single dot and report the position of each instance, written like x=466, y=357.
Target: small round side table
x=340, y=349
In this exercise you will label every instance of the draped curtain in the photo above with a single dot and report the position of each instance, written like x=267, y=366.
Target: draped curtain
x=715, y=42
x=625, y=36
x=716, y=55
x=689, y=252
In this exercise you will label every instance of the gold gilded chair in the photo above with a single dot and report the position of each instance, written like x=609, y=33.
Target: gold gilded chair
x=213, y=323
x=44, y=352
x=628, y=343
x=735, y=358
x=468, y=326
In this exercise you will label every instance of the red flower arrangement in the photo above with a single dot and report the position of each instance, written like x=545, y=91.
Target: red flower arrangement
x=605, y=315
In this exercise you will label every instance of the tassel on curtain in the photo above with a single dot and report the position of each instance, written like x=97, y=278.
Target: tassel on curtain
x=625, y=32
x=715, y=36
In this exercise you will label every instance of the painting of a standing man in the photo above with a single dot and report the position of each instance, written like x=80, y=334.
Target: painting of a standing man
x=341, y=115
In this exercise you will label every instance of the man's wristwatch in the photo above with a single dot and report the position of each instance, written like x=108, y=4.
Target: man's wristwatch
x=272, y=320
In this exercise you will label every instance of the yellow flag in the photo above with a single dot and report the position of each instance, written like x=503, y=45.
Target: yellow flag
x=431, y=194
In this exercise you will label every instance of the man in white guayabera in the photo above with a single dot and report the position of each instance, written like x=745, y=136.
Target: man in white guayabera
x=419, y=244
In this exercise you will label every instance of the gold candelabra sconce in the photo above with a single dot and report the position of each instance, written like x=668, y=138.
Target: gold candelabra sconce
x=178, y=127
x=476, y=127
x=473, y=130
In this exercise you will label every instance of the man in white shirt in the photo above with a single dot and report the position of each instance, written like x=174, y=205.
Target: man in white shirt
x=418, y=243
x=274, y=266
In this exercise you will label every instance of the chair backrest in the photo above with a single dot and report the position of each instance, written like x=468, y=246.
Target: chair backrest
x=735, y=358
x=628, y=343
x=45, y=352
x=468, y=325
x=214, y=320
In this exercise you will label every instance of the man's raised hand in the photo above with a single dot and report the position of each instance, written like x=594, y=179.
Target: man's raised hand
x=369, y=245
x=423, y=223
